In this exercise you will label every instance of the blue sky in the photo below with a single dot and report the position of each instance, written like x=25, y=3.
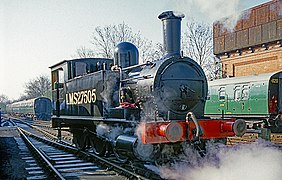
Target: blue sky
x=35, y=34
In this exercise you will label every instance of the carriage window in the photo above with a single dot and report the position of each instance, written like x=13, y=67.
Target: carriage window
x=209, y=95
x=237, y=93
x=221, y=94
x=245, y=92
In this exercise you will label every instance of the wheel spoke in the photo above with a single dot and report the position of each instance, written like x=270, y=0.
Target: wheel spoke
x=97, y=145
x=79, y=140
x=120, y=158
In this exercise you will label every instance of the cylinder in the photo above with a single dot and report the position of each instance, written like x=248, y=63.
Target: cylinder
x=129, y=146
x=171, y=32
x=125, y=144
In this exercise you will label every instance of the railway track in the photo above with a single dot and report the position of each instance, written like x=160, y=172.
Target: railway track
x=52, y=160
x=69, y=162
x=45, y=128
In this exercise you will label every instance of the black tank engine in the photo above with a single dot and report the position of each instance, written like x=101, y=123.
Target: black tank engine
x=130, y=108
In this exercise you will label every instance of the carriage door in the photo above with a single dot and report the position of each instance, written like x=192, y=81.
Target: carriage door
x=274, y=93
x=245, y=104
x=280, y=94
x=40, y=108
x=223, y=100
x=43, y=106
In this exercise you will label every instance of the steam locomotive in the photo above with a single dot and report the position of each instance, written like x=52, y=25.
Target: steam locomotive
x=136, y=110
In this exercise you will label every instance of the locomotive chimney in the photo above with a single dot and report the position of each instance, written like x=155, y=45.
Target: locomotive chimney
x=171, y=32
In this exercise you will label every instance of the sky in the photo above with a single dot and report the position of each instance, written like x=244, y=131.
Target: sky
x=35, y=34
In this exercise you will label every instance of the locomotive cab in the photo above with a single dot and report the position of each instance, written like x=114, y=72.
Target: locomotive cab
x=79, y=80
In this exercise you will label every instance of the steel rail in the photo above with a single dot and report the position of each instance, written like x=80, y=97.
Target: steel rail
x=41, y=156
x=91, y=156
x=95, y=157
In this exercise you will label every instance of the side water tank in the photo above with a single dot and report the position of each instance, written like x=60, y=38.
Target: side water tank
x=126, y=54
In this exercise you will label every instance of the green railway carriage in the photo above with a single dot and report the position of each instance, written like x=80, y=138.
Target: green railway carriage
x=257, y=97
x=3, y=107
x=39, y=108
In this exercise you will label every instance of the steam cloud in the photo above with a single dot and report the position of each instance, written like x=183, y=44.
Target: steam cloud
x=108, y=131
x=256, y=161
x=211, y=11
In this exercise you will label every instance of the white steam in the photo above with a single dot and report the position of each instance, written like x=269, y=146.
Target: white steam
x=256, y=161
x=230, y=22
x=138, y=131
x=210, y=11
x=102, y=129
x=111, y=132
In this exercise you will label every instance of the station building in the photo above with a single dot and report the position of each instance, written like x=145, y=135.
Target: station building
x=254, y=46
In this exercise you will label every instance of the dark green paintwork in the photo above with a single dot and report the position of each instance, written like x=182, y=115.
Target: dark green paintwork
x=256, y=104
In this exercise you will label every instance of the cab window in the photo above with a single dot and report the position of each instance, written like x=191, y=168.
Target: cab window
x=80, y=68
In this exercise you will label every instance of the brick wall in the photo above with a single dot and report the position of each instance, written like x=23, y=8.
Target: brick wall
x=246, y=62
x=258, y=25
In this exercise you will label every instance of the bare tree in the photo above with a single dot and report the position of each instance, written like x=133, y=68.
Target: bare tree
x=198, y=44
x=22, y=97
x=84, y=52
x=104, y=39
x=40, y=86
x=151, y=52
x=213, y=69
x=4, y=99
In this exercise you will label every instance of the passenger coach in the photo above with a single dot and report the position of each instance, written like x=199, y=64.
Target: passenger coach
x=38, y=108
x=256, y=98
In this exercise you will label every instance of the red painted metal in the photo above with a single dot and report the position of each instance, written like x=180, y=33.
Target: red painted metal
x=213, y=129
x=178, y=131
x=128, y=105
x=227, y=126
x=272, y=104
x=154, y=132
x=173, y=131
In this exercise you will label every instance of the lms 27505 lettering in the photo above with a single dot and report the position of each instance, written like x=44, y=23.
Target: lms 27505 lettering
x=81, y=97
